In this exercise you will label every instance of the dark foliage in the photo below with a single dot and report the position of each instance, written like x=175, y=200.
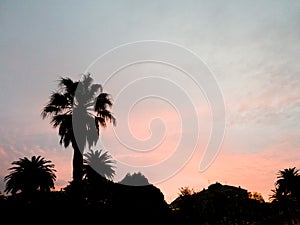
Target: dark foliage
x=115, y=202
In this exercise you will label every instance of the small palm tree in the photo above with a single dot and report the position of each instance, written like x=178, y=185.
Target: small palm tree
x=30, y=175
x=287, y=182
x=99, y=162
x=98, y=170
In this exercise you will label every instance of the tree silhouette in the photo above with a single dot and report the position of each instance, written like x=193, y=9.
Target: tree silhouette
x=256, y=196
x=85, y=105
x=287, y=185
x=135, y=179
x=99, y=169
x=29, y=176
x=185, y=191
x=99, y=162
x=286, y=195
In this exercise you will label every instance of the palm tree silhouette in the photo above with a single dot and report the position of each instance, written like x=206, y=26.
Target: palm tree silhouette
x=99, y=162
x=287, y=194
x=87, y=105
x=30, y=175
x=99, y=170
x=287, y=183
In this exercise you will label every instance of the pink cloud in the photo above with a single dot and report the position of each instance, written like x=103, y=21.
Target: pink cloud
x=3, y=153
x=274, y=100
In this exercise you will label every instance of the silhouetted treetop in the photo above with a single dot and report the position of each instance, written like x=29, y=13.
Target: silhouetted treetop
x=135, y=179
x=184, y=191
x=30, y=175
x=99, y=162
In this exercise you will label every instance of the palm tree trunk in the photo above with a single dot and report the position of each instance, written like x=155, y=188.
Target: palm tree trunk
x=77, y=172
x=77, y=162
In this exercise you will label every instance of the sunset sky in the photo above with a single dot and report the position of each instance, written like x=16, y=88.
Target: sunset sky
x=250, y=48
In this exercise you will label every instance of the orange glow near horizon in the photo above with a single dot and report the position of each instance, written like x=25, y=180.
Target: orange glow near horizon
x=254, y=172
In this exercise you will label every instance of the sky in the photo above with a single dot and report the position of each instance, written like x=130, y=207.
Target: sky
x=204, y=91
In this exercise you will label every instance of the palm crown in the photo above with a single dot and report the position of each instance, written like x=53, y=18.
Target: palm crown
x=30, y=175
x=99, y=162
x=287, y=181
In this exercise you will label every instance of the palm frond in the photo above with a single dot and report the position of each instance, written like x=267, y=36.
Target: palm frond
x=65, y=130
x=67, y=85
x=57, y=104
x=104, y=117
x=86, y=81
x=92, y=131
x=103, y=101
x=91, y=94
